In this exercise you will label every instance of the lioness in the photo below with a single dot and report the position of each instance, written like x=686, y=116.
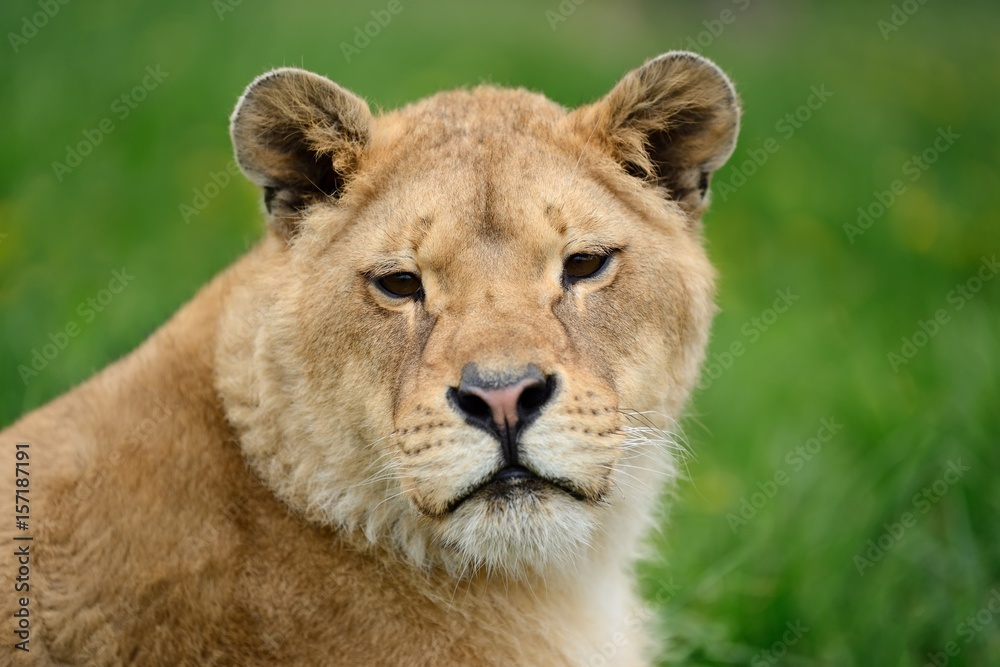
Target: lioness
x=425, y=421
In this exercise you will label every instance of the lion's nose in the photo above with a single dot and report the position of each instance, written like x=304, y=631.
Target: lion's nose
x=501, y=403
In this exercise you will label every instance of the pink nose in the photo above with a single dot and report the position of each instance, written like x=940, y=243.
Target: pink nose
x=500, y=402
x=503, y=401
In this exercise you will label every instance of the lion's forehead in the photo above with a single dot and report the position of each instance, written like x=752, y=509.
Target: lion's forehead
x=516, y=197
x=475, y=114
x=494, y=175
x=462, y=138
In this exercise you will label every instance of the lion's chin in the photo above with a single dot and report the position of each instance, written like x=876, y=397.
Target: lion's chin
x=519, y=528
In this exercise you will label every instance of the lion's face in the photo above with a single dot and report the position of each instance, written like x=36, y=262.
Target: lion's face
x=473, y=352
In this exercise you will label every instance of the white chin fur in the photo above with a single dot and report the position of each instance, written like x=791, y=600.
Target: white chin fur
x=518, y=536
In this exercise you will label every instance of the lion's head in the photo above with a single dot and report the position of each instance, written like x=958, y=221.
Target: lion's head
x=475, y=319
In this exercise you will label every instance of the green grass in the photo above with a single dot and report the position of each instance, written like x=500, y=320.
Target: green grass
x=783, y=229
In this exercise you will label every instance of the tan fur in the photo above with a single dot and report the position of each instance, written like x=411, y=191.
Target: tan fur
x=270, y=477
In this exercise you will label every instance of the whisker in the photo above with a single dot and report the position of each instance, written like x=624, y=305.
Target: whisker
x=385, y=500
x=669, y=439
x=645, y=469
x=621, y=483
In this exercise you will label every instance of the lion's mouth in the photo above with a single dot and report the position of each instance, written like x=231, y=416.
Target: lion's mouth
x=511, y=482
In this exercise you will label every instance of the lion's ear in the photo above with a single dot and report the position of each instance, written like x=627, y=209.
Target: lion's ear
x=299, y=136
x=671, y=122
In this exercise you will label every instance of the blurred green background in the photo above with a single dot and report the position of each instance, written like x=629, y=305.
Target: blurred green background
x=772, y=529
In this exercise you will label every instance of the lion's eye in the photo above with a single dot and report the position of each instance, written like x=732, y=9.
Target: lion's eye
x=400, y=285
x=583, y=265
